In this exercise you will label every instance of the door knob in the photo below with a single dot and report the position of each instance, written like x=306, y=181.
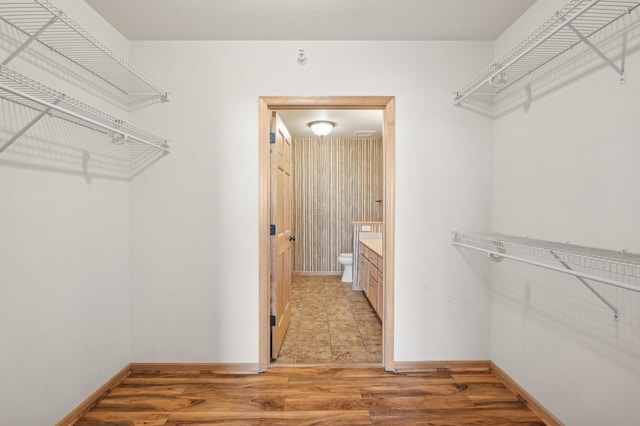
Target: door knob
x=292, y=238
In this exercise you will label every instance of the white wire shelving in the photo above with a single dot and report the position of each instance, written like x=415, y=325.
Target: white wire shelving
x=615, y=268
x=42, y=22
x=575, y=23
x=46, y=101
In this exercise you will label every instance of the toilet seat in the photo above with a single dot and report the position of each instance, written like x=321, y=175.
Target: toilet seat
x=346, y=256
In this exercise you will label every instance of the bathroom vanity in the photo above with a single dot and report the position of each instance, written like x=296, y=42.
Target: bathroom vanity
x=370, y=272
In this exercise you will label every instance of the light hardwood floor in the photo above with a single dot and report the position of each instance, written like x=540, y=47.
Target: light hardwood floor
x=330, y=323
x=309, y=396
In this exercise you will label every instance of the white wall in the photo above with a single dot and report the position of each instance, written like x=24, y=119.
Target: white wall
x=195, y=213
x=565, y=169
x=64, y=254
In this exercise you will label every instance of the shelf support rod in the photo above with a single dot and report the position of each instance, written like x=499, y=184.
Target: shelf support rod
x=616, y=315
x=553, y=268
x=30, y=40
x=604, y=57
x=27, y=127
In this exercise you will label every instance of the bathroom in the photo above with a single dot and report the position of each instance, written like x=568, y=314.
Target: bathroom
x=337, y=193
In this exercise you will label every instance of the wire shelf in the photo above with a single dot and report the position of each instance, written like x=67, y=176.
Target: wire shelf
x=573, y=24
x=583, y=262
x=41, y=21
x=29, y=93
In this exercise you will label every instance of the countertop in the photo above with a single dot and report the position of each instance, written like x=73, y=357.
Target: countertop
x=373, y=243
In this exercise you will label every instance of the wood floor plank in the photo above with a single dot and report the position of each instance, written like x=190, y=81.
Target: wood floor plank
x=101, y=418
x=159, y=391
x=298, y=418
x=475, y=378
x=237, y=404
x=234, y=393
x=491, y=393
x=208, y=380
x=329, y=372
x=495, y=417
x=357, y=382
x=323, y=391
x=146, y=404
x=389, y=403
x=401, y=389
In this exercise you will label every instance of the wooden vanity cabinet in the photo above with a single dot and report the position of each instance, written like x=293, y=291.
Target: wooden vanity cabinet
x=370, y=273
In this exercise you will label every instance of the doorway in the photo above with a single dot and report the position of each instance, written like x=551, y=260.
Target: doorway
x=267, y=105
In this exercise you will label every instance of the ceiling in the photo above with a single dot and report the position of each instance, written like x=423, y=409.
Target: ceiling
x=311, y=19
x=348, y=122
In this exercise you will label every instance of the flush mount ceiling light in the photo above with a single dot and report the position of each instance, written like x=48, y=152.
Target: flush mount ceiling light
x=321, y=127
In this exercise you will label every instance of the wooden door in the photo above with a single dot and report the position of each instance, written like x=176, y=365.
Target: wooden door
x=281, y=212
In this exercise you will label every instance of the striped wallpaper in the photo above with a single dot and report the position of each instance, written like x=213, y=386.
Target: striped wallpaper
x=335, y=182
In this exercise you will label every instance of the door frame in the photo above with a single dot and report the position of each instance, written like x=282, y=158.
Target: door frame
x=267, y=104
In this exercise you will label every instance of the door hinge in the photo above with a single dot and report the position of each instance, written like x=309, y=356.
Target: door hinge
x=272, y=138
x=273, y=230
x=272, y=318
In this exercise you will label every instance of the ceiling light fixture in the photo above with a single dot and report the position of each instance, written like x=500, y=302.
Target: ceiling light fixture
x=321, y=127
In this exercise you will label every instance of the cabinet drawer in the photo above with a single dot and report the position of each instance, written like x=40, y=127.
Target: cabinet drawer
x=379, y=263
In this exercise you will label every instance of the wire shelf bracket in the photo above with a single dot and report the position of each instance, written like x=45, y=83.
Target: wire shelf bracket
x=616, y=314
x=599, y=52
x=29, y=125
x=574, y=23
x=29, y=41
x=41, y=21
x=584, y=263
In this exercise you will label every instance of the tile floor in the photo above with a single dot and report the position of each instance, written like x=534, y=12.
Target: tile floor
x=330, y=323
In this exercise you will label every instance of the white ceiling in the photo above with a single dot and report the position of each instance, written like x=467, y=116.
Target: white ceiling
x=311, y=19
x=348, y=122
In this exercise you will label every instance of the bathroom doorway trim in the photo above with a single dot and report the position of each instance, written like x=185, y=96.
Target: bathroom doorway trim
x=267, y=104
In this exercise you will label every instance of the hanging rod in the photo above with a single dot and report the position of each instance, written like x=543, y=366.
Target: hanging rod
x=41, y=21
x=574, y=23
x=24, y=91
x=585, y=263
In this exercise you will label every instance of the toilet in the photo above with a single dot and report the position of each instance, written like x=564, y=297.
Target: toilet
x=346, y=259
